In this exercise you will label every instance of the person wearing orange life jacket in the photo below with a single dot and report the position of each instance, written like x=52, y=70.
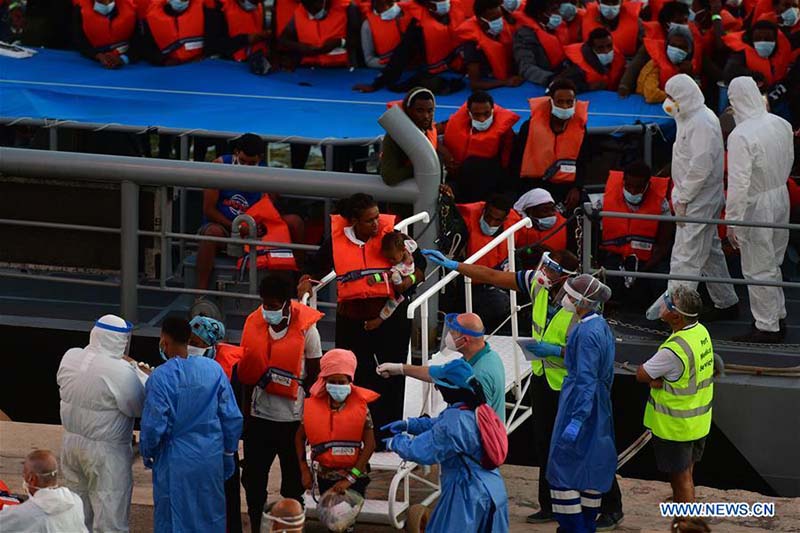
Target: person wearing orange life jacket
x=282, y=350
x=597, y=64
x=539, y=206
x=172, y=32
x=382, y=31
x=713, y=23
x=221, y=207
x=784, y=13
x=420, y=106
x=619, y=17
x=353, y=251
x=206, y=341
x=236, y=29
x=486, y=47
x=338, y=426
x=479, y=136
x=572, y=15
x=763, y=50
x=549, y=152
x=675, y=56
x=539, y=41
x=317, y=35
x=636, y=245
x=103, y=30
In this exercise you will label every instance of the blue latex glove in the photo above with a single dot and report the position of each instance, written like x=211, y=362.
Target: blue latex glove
x=148, y=462
x=545, y=349
x=229, y=465
x=398, y=426
x=438, y=258
x=388, y=443
x=570, y=433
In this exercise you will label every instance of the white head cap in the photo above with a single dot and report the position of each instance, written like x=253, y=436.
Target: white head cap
x=532, y=198
x=110, y=336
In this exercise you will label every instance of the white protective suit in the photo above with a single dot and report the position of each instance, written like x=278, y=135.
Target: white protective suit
x=101, y=396
x=55, y=510
x=697, y=172
x=760, y=157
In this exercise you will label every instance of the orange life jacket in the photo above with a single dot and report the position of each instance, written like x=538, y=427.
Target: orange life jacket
x=5, y=494
x=655, y=9
x=227, y=356
x=794, y=192
x=497, y=50
x=572, y=33
x=574, y=53
x=666, y=68
x=270, y=258
x=706, y=40
x=626, y=236
x=336, y=437
x=178, y=37
x=549, y=156
x=431, y=133
x=773, y=68
x=472, y=213
x=386, y=34
x=440, y=39
x=626, y=34
x=281, y=359
x=283, y=12
x=354, y=264
x=242, y=22
x=108, y=34
x=557, y=241
x=463, y=141
x=771, y=16
x=552, y=43
x=654, y=30
x=317, y=32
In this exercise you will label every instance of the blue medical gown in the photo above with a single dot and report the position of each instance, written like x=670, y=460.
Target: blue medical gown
x=472, y=499
x=590, y=462
x=190, y=418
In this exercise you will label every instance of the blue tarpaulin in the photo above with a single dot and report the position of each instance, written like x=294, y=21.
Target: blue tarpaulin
x=218, y=95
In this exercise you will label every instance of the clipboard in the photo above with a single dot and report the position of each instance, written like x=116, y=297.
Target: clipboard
x=522, y=342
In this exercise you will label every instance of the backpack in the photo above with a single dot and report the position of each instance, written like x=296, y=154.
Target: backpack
x=453, y=234
x=494, y=438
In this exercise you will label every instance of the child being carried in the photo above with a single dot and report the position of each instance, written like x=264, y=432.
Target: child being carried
x=398, y=248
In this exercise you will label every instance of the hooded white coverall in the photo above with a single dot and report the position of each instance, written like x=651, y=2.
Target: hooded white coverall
x=101, y=396
x=697, y=173
x=760, y=157
x=53, y=510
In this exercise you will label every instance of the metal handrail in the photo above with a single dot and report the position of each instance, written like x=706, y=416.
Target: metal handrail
x=691, y=220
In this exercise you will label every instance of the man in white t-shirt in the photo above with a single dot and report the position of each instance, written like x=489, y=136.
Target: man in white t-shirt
x=282, y=349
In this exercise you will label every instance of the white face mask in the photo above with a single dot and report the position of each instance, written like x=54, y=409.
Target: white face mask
x=339, y=393
x=450, y=342
x=195, y=351
x=104, y=9
x=482, y=125
x=542, y=279
x=546, y=222
x=568, y=304
x=488, y=230
x=391, y=13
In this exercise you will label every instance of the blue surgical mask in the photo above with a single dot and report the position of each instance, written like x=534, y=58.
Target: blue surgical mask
x=562, y=113
x=605, y=59
x=633, y=199
x=764, y=48
x=511, y=5
x=247, y=5
x=790, y=17
x=319, y=15
x=443, y=7
x=273, y=318
x=495, y=26
x=546, y=222
x=609, y=12
x=482, y=125
x=339, y=393
x=488, y=230
x=673, y=25
x=554, y=21
x=568, y=11
x=676, y=55
x=179, y=6
x=104, y=9
x=391, y=13
x=693, y=14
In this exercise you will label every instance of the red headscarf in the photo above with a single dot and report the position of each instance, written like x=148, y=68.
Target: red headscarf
x=336, y=361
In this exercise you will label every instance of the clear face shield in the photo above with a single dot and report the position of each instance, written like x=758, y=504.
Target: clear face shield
x=454, y=335
x=595, y=293
x=550, y=273
x=664, y=305
x=337, y=512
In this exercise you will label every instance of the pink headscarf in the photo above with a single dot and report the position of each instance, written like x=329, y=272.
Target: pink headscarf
x=336, y=361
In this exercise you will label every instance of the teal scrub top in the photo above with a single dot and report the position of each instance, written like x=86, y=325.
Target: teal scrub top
x=489, y=370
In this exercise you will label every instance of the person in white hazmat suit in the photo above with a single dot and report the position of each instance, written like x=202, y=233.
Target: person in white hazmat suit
x=697, y=173
x=50, y=508
x=101, y=395
x=760, y=157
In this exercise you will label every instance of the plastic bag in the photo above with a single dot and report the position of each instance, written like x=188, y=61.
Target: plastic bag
x=337, y=511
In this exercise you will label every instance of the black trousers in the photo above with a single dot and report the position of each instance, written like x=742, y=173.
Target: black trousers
x=263, y=440
x=389, y=344
x=545, y=409
x=233, y=500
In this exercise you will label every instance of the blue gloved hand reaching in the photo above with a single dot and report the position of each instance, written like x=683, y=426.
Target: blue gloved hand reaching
x=544, y=349
x=229, y=465
x=398, y=426
x=570, y=433
x=387, y=443
x=438, y=258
